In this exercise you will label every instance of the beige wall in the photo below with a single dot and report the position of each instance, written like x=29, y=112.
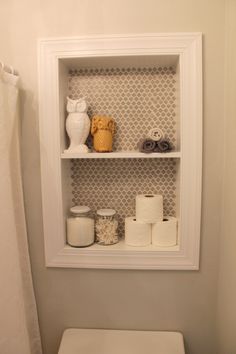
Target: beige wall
x=227, y=275
x=167, y=300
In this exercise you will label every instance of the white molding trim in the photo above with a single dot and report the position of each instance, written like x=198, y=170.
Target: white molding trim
x=188, y=48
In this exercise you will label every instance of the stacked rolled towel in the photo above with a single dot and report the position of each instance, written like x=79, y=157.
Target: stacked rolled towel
x=149, y=145
x=163, y=146
x=149, y=225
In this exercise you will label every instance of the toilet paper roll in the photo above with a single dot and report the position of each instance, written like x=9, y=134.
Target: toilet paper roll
x=149, y=208
x=137, y=233
x=164, y=233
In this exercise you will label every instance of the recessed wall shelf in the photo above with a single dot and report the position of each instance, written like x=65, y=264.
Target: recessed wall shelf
x=142, y=81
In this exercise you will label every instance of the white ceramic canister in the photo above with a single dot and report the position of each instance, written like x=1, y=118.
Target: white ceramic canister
x=80, y=226
x=106, y=227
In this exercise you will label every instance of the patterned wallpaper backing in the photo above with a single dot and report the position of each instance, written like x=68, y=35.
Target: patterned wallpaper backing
x=138, y=99
x=114, y=183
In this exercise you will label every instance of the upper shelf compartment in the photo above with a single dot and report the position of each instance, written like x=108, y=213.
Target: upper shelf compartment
x=139, y=92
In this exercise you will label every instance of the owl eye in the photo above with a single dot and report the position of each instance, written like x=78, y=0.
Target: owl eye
x=81, y=105
x=100, y=124
x=70, y=106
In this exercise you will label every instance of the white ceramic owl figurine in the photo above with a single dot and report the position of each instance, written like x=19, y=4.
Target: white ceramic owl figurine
x=77, y=125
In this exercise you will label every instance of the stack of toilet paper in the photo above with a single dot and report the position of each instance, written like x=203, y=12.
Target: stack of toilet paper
x=149, y=225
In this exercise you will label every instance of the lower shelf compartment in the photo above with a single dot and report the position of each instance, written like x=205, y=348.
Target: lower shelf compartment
x=114, y=184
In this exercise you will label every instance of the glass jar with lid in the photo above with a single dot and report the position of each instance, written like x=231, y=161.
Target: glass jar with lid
x=106, y=227
x=80, y=226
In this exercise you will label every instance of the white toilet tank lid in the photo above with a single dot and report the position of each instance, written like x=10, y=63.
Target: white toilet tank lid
x=100, y=341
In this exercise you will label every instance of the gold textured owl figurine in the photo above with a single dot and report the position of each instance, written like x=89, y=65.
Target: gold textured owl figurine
x=102, y=130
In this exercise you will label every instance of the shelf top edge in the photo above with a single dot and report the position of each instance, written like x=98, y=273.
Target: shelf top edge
x=120, y=154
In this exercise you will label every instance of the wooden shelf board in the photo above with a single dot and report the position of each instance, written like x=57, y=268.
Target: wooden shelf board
x=121, y=155
x=120, y=246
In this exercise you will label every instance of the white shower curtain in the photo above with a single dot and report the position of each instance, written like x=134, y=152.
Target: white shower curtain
x=19, y=331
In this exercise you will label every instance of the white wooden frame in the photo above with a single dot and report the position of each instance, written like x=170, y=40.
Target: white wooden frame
x=188, y=47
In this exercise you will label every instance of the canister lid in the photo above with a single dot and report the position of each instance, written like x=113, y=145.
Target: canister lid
x=106, y=212
x=80, y=209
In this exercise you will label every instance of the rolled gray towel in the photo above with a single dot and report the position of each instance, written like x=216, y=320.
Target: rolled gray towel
x=163, y=146
x=147, y=145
